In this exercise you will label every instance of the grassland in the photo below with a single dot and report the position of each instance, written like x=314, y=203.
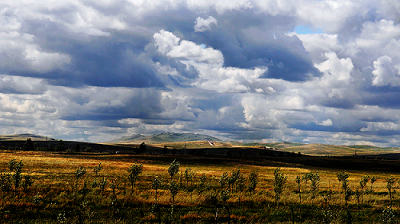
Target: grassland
x=57, y=196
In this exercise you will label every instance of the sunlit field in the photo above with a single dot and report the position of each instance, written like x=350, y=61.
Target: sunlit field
x=67, y=189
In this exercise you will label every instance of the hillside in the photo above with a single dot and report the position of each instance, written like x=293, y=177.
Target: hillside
x=23, y=137
x=164, y=137
x=332, y=150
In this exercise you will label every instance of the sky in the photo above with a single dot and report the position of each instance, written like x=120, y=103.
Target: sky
x=304, y=71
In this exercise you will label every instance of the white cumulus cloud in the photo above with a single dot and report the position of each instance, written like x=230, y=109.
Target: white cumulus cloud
x=202, y=25
x=173, y=47
x=386, y=72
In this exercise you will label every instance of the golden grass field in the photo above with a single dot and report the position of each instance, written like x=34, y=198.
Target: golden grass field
x=54, y=177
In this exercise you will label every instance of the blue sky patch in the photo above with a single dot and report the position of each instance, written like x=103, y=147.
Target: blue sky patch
x=305, y=29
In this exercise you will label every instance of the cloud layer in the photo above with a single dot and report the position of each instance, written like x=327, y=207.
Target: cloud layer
x=239, y=70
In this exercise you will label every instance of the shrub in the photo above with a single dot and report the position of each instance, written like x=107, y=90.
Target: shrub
x=387, y=215
x=16, y=167
x=5, y=182
x=28, y=181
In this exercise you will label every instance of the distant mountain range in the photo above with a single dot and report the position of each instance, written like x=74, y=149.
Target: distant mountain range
x=19, y=137
x=165, y=137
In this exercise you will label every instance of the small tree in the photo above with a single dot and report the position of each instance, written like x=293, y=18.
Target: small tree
x=156, y=184
x=373, y=179
x=29, y=146
x=279, y=184
x=358, y=194
x=233, y=178
x=173, y=168
x=142, y=148
x=240, y=185
x=202, y=184
x=343, y=178
x=79, y=173
x=61, y=146
x=298, y=182
x=224, y=198
x=223, y=180
x=18, y=174
x=134, y=171
x=188, y=176
x=253, y=180
x=389, y=185
x=97, y=169
x=174, y=189
x=363, y=183
x=103, y=184
x=314, y=178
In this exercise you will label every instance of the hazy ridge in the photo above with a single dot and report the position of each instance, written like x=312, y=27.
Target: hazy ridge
x=164, y=137
x=23, y=137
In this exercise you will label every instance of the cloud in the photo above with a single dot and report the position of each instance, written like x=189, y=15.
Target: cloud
x=171, y=46
x=93, y=70
x=338, y=69
x=327, y=122
x=19, y=53
x=21, y=85
x=202, y=25
x=385, y=72
x=260, y=46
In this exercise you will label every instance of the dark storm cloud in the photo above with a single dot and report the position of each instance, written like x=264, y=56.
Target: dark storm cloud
x=383, y=99
x=245, y=46
x=337, y=102
x=213, y=101
x=226, y=121
x=143, y=104
x=352, y=126
x=384, y=133
x=120, y=59
x=111, y=62
x=8, y=85
x=177, y=20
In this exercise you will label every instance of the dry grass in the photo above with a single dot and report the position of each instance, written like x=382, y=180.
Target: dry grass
x=57, y=171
